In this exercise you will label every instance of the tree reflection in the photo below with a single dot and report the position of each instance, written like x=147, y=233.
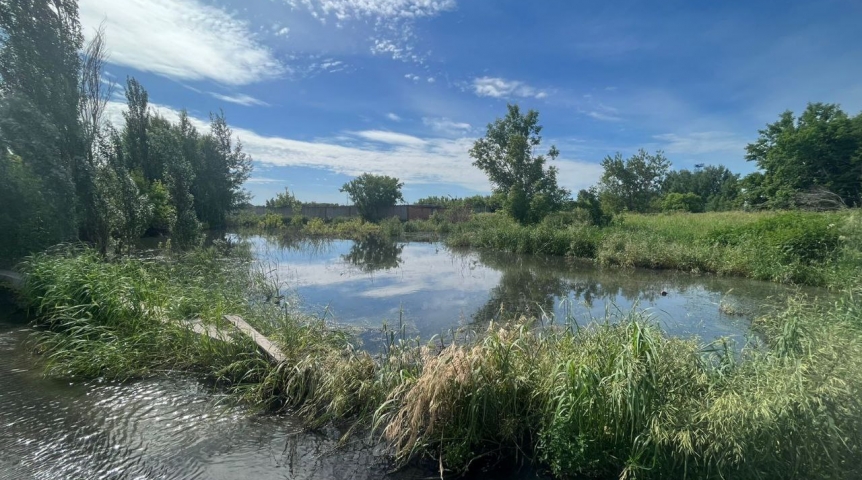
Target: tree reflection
x=525, y=288
x=531, y=285
x=373, y=253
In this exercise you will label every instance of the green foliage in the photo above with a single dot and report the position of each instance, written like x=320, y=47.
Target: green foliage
x=164, y=215
x=95, y=183
x=29, y=226
x=632, y=184
x=616, y=398
x=822, y=148
x=589, y=200
x=505, y=154
x=801, y=247
x=285, y=199
x=372, y=192
x=682, y=202
x=796, y=236
x=39, y=100
x=475, y=204
x=718, y=187
x=222, y=170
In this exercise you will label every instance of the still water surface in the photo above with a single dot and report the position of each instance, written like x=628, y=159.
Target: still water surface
x=177, y=428
x=434, y=289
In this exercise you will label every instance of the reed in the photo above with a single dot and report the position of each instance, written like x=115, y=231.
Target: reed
x=611, y=398
x=807, y=248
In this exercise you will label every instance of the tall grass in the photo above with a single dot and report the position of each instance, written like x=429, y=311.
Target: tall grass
x=788, y=247
x=618, y=398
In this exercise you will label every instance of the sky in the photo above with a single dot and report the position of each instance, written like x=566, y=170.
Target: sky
x=320, y=91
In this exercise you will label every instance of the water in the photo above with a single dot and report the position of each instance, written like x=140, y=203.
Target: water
x=180, y=428
x=166, y=428
x=171, y=428
x=434, y=289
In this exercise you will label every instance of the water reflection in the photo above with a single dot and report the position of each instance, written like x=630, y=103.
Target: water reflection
x=435, y=289
x=373, y=253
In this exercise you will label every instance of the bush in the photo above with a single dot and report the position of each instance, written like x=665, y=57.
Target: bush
x=793, y=236
x=682, y=202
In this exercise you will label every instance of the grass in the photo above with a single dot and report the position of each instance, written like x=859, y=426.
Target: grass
x=789, y=247
x=344, y=228
x=616, y=399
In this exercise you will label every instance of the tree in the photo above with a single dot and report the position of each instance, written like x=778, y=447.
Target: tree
x=682, y=202
x=372, y=192
x=135, y=206
x=507, y=155
x=718, y=187
x=632, y=184
x=39, y=66
x=137, y=116
x=820, y=150
x=220, y=172
x=285, y=199
x=589, y=201
x=165, y=147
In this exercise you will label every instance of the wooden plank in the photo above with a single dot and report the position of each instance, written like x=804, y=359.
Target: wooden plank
x=16, y=280
x=13, y=279
x=264, y=343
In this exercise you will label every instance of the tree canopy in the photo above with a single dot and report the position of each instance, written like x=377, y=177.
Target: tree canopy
x=632, y=184
x=821, y=149
x=372, y=192
x=717, y=187
x=507, y=154
x=70, y=173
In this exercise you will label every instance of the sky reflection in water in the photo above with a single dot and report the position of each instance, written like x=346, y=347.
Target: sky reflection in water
x=367, y=282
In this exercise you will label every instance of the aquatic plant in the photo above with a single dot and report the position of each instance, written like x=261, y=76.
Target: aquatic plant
x=788, y=247
x=615, y=398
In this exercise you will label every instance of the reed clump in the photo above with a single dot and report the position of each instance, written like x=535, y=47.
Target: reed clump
x=811, y=248
x=617, y=398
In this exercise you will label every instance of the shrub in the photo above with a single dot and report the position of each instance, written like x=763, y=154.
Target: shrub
x=682, y=202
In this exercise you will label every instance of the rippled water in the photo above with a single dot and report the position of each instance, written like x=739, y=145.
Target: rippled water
x=166, y=428
x=175, y=427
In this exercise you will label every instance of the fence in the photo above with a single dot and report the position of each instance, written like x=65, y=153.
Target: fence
x=403, y=212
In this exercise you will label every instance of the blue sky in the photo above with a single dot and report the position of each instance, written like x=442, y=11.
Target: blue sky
x=320, y=91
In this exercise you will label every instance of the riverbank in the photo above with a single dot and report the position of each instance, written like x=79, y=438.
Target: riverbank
x=617, y=398
x=805, y=248
x=821, y=249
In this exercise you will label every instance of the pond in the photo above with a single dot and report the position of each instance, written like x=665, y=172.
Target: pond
x=178, y=427
x=432, y=289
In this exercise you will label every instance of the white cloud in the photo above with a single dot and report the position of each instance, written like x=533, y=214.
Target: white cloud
x=431, y=79
x=180, y=39
x=501, y=88
x=400, y=50
x=608, y=117
x=240, y=99
x=264, y=180
x=697, y=143
x=391, y=21
x=446, y=126
x=392, y=9
x=391, y=138
x=412, y=77
x=393, y=117
x=413, y=160
x=282, y=32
